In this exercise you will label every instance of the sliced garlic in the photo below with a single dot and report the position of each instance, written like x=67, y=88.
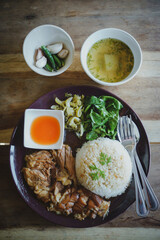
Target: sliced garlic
x=41, y=62
x=55, y=48
x=63, y=53
x=39, y=54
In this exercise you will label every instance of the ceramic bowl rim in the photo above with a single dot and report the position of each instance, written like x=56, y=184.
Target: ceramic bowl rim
x=47, y=74
x=108, y=83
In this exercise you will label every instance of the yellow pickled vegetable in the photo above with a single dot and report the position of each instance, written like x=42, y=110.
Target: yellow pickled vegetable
x=73, y=108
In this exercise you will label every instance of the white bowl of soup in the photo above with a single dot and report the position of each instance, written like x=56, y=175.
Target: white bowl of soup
x=111, y=56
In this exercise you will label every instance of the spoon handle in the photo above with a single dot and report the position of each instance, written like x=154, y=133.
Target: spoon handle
x=141, y=209
x=150, y=197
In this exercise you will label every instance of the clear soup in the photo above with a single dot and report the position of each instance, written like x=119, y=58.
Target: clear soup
x=110, y=60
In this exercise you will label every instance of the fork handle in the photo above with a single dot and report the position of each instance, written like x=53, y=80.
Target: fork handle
x=150, y=197
x=141, y=209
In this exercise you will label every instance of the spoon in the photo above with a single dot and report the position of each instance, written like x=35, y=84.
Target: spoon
x=151, y=199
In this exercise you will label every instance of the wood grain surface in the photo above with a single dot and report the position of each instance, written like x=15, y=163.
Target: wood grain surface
x=20, y=86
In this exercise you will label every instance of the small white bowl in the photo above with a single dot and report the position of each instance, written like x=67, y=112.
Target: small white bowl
x=45, y=35
x=30, y=115
x=117, y=34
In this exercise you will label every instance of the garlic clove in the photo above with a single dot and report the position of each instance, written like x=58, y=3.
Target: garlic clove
x=63, y=53
x=55, y=48
x=41, y=62
x=39, y=54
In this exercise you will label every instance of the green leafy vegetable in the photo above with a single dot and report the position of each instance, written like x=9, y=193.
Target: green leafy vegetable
x=102, y=174
x=93, y=167
x=100, y=116
x=97, y=174
x=94, y=176
x=104, y=159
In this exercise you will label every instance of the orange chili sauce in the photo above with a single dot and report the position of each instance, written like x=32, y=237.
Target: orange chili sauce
x=45, y=130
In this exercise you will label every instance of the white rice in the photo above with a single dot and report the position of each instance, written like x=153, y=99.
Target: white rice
x=118, y=171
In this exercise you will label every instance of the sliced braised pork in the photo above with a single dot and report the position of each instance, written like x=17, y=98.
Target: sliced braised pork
x=51, y=174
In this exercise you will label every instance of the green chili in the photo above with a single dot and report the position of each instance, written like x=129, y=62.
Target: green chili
x=57, y=61
x=48, y=68
x=49, y=56
x=62, y=62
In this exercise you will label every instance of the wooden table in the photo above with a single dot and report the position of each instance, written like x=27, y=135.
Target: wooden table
x=19, y=87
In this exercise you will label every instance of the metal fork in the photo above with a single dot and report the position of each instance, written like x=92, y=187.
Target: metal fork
x=126, y=136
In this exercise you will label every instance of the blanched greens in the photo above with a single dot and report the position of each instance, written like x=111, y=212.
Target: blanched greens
x=100, y=116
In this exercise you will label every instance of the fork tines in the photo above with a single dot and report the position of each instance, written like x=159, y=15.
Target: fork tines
x=126, y=127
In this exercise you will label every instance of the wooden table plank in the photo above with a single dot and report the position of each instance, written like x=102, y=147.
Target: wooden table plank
x=79, y=234
x=80, y=19
x=152, y=129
